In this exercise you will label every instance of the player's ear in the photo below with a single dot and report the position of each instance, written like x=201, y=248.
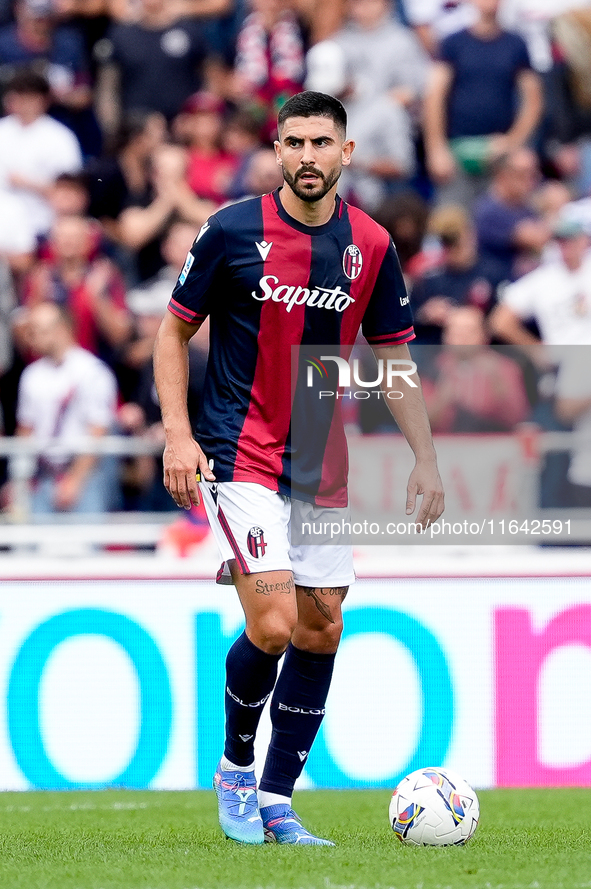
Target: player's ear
x=347, y=151
x=277, y=147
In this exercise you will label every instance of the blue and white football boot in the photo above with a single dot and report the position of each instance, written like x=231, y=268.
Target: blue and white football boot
x=282, y=825
x=238, y=805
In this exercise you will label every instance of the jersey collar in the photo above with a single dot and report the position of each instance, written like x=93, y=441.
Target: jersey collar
x=299, y=226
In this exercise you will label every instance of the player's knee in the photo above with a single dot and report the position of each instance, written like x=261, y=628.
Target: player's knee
x=322, y=640
x=272, y=633
x=332, y=634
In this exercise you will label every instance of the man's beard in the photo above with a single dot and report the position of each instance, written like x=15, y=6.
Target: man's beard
x=318, y=191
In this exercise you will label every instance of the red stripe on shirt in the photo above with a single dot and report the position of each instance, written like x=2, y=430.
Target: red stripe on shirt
x=182, y=312
x=373, y=242
x=388, y=339
x=266, y=425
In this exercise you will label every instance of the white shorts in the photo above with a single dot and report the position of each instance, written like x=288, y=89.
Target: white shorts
x=251, y=524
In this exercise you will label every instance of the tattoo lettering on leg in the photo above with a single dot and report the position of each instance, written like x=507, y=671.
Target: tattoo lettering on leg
x=317, y=593
x=265, y=589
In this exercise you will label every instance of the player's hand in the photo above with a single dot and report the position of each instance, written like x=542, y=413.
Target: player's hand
x=184, y=462
x=425, y=480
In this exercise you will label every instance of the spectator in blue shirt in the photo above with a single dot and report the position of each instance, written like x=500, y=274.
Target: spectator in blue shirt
x=483, y=99
x=511, y=234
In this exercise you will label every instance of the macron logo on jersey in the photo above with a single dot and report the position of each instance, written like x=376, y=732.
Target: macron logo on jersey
x=321, y=297
x=202, y=230
x=264, y=248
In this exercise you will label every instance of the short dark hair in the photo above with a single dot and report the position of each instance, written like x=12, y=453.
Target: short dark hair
x=28, y=82
x=313, y=104
x=75, y=180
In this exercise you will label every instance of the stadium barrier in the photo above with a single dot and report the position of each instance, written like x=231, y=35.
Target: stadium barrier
x=492, y=485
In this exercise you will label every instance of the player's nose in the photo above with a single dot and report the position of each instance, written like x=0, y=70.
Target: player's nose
x=308, y=154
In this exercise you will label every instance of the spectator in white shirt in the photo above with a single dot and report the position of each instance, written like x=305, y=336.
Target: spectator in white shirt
x=557, y=295
x=34, y=148
x=66, y=396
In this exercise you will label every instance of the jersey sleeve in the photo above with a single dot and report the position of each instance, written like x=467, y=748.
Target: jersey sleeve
x=199, y=280
x=388, y=317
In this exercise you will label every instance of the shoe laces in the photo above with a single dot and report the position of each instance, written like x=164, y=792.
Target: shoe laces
x=239, y=782
x=290, y=814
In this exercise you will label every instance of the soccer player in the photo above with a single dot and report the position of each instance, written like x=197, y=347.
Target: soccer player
x=297, y=266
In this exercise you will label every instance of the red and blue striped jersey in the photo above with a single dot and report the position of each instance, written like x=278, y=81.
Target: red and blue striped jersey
x=270, y=283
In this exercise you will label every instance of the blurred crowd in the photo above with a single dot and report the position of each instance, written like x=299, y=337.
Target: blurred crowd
x=126, y=123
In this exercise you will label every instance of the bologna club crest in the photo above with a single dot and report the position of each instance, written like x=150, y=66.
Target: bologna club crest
x=256, y=542
x=352, y=262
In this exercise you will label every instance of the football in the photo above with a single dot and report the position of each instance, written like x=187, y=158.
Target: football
x=434, y=807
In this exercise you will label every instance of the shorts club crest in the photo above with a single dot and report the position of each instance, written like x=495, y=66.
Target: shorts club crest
x=256, y=542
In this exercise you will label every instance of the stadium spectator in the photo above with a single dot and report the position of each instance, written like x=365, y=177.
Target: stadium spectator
x=7, y=304
x=37, y=40
x=463, y=278
x=76, y=276
x=483, y=100
x=404, y=216
x=556, y=299
x=90, y=18
x=64, y=396
x=167, y=195
x=143, y=488
x=152, y=63
x=432, y=20
x=556, y=296
x=378, y=69
x=17, y=235
x=5, y=11
x=34, y=148
x=150, y=299
x=241, y=138
x=117, y=178
x=573, y=407
x=69, y=195
x=511, y=235
x=263, y=174
x=476, y=388
x=321, y=19
x=269, y=65
x=210, y=168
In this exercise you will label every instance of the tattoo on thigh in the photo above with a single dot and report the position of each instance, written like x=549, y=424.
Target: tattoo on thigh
x=265, y=589
x=320, y=594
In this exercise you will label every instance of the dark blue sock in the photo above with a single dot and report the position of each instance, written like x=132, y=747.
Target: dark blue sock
x=297, y=709
x=250, y=677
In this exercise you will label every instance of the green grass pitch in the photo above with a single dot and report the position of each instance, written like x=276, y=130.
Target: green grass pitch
x=527, y=839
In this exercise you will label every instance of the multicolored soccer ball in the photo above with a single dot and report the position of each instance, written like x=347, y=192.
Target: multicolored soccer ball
x=434, y=807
